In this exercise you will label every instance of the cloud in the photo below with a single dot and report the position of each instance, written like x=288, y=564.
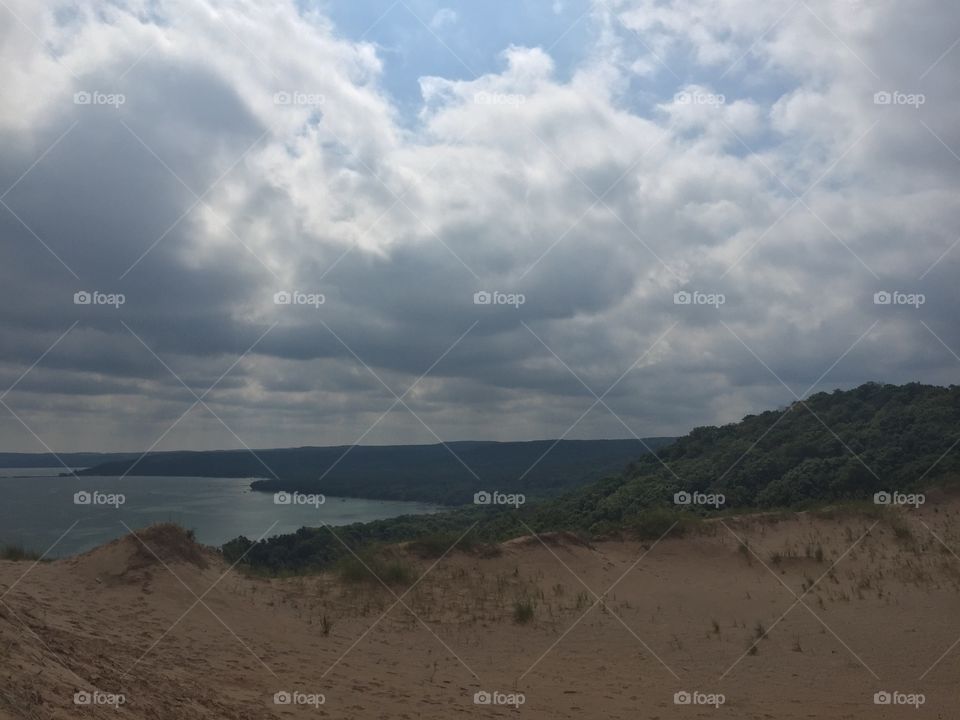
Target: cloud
x=444, y=17
x=709, y=146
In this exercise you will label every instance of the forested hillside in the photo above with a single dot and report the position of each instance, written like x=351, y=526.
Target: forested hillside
x=844, y=445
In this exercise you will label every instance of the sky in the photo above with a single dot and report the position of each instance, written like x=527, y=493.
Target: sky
x=247, y=224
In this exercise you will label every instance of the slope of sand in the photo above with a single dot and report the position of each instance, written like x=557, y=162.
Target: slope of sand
x=882, y=611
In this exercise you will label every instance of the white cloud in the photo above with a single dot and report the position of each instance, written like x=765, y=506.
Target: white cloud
x=595, y=205
x=444, y=17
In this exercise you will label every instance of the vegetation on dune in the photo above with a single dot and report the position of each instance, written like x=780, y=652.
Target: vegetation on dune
x=17, y=552
x=430, y=536
x=523, y=611
x=367, y=565
x=839, y=446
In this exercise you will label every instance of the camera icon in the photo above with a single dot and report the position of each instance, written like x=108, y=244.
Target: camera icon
x=882, y=698
x=683, y=98
x=82, y=498
x=282, y=498
x=882, y=98
x=282, y=698
x=282, y=298
x=82, y=697
x=682, y=498
x=482, y=498
x=281, y=98
x=82, y=98
x=682, y=298
x=882, y=298
x=482, y=697
x=682, y=697
x=482, y=297
x=882, y=498
x=82, y=298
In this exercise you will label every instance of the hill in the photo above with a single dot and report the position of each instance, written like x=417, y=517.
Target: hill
x=844, y=445
x=49, y=460
x=448, y=474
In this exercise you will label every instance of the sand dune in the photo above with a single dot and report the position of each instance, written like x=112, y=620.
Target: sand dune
x=166, y=627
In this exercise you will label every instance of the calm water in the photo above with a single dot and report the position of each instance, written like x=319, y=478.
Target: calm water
x=37, y=507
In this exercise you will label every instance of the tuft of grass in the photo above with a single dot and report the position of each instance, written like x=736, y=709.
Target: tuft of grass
x=901, y=530
x=326, y=625
x=16, y=552
x=370, y=567
x=660, y=522
x=523, y=611
x=439, y=544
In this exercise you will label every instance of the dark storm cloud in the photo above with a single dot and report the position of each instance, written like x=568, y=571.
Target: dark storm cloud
x=597, y=215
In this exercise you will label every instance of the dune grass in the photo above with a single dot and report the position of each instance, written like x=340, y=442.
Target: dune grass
x=369, y=566
x=17, y=552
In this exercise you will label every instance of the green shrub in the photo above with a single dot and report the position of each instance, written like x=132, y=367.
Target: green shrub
x=655, y=523
x=369, y=566
x=437, y=544
x=523, y=611
x=17, y=552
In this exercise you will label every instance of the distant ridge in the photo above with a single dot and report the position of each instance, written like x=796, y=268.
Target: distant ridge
x=51, y=460
x=446, y=474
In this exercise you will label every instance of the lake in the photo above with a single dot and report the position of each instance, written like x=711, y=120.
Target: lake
x=37, y=507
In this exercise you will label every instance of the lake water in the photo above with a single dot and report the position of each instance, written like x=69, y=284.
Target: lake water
x=37, y=507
